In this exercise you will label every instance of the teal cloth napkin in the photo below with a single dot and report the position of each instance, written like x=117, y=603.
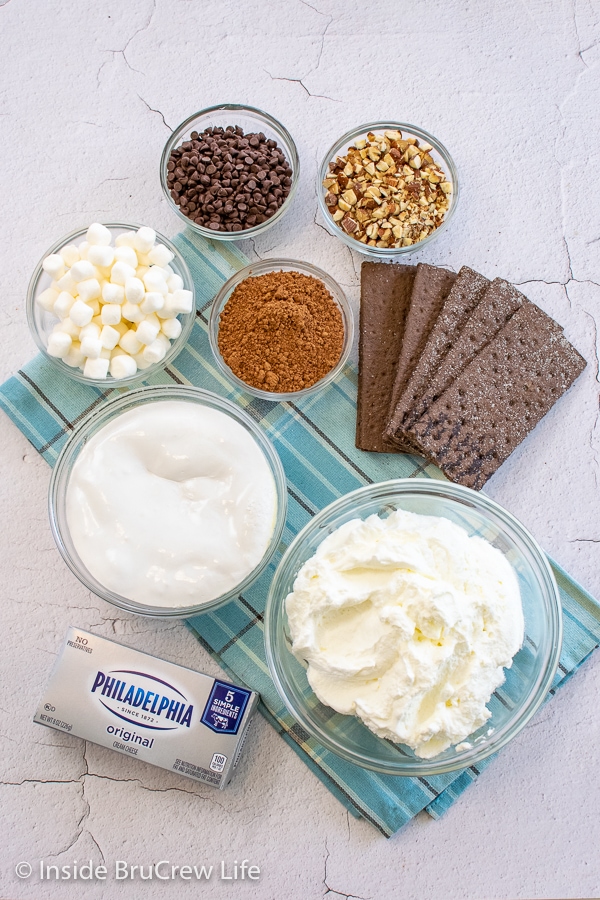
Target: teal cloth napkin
x=315, y=440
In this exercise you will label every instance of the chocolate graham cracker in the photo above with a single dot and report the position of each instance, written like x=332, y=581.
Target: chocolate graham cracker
x=464, y=296
x=431, y=288
x=499, y=302
x=385, y=297
x=472, y=428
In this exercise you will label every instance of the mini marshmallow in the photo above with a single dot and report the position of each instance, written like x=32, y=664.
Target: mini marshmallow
x=127, y=255
x=122, y=327
x=68, y=327
x=89, y=289
x=147, y=331
x=120, y=272
x=122, y=366
x=63, y=304
x=171, y=328
x=152, y=302
x=66, y=283
x=125, y=240
x=81, y=314
x=141, y=362
x=94, y=306
x=144, y=239
x=83, y=248
x=134, y=290
x=47, y=299
x=74, y=357
x=96, y=368
x=105, y=354
x=59, y=344
x=82, y=271
x=160, y=255
x=143, y=259
x=54, y=265
x=133, y=313
x=70, y=254
x=98, y=234
x=130, y=343
x=91, y=347
x=141, y=271
x=174, y=283
x=168, y=270
x=109, y=337
x=181, y=301
x=90, y=330
x=155, y=280
x=111, y=314
x=101, y=255
x=113, y=293
x=155, y=351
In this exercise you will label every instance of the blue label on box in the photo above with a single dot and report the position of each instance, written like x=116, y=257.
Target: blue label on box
x=224, y=710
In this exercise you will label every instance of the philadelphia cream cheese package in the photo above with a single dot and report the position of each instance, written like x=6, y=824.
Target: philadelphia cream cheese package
x=162, y=713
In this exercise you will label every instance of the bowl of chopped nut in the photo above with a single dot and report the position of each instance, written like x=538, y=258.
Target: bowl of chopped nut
x=387, y=188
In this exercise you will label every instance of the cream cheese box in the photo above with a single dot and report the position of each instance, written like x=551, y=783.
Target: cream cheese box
x=160, y=712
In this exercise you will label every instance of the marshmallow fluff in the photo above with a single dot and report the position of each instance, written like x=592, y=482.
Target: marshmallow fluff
x=171, y=504
x=408, y=623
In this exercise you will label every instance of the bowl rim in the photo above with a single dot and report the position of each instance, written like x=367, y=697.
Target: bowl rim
x=262, y=267
x=187, y=319
x=348, y=138
x=107, y=412
x=290, y=149
x=474, y=754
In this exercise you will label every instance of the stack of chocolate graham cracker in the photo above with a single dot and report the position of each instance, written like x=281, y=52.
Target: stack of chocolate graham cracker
x=454, y=367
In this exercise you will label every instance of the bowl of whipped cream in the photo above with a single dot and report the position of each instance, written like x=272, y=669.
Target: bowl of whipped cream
x=413, y=627
x=167, y=501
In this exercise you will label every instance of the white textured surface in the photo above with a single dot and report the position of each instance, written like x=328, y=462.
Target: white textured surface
x=88, y=92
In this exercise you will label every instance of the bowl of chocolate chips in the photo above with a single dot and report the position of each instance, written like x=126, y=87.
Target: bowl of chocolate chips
x=230, y=171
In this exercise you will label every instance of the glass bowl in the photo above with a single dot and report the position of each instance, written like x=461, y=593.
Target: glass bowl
x=250, y=120
x=527, y=681
x=440, y=155
x=280, y=265
x=42, y=322
x=107, y=413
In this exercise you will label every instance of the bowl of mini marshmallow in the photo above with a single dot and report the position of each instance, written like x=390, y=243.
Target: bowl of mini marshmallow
x=111, y=304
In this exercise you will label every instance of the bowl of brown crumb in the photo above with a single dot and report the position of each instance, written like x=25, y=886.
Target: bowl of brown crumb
x=281, y=329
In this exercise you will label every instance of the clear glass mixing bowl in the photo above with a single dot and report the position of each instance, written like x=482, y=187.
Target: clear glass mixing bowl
x=527, y=681
x=251, y=120
x=263, y=267
x=59, y=485
x=440, y=155
x=42, y=322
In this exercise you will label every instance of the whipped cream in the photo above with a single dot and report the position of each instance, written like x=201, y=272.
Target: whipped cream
x=407, y=622
x=171, y=504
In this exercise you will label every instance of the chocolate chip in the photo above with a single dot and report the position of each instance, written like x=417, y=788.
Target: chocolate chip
x=228, y=181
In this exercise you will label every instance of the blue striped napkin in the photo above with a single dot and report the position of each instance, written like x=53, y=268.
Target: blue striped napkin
x=315, y=440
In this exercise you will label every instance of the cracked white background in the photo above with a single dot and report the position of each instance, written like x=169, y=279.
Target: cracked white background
x=88, y=94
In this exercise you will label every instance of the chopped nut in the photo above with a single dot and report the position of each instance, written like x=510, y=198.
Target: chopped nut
x=387, y=191
x=350, y=197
